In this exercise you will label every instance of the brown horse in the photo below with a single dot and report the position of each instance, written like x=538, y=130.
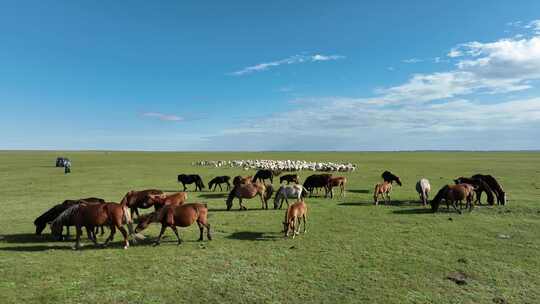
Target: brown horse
x=337, y=181
x=480, y=186
x=248, y=191
x=289, y=178
x=294, y=213
x=240, y=180
x=168, y=199
x=139, y=199
x=383, y=190
x=178, y=215
x=90, y=216
x=454, y=194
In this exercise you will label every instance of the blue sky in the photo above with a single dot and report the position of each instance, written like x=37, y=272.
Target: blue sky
x=282, y=75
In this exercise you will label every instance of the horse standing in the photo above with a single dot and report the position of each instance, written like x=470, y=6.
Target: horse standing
x=315, y=181
x=178, y=216
x=382, y=189
x=159, y=201
x=265, y=174
x=495, y=187
x=423, y=188
x=337, y=181
x=286, y=192
x=248, y=191
x=480, y=186
x=217, y=181
x=294, y=213
x=289, y=178
x=186, y=179
x=453, y=194
x=139, y=199
x=388, y=176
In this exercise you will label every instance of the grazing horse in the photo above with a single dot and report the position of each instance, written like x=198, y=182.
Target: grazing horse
x=51, y=214
x=139, y=199
x=168, y=199
x=292, y=218
x=178, y=216
x=382, y=189
x=423, y=188
x=388, y=176
x=317, y=181
x=93, y=215
x=248, y=191
x=337, y=181
x=453, y=194
x=190, y=179
x=290, y=178
x=217, y=181
x=495, y=187
x=264, y=174
x=480, y=186
x=286, y=192
x=240, y=180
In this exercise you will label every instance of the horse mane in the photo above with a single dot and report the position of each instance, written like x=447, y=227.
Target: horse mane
x=65, y=216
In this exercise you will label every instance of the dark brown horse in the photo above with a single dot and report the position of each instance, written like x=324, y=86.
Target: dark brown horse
x=217, y=181
x=248, y=191
x=289, y=178
x=495, y=187
x=453, y=194
x=90, y=216
x=139, y=199
x=178, y=216
x=50, y=215
x=388, y=176
x=186, y=179
x=480, y=186
x=265, y=174
x=337, y=181
x=315, y=181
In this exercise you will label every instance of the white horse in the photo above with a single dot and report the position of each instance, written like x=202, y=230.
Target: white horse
x=423, y=188
x=286, y=192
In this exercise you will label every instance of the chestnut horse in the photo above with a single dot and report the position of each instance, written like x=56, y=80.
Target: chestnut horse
x=382, y=189
x=90, y=216
x=292, y=218
x=337, y=181
x=453, y=194
x=139, y=199
x=178, y=215
x=168, y=199
x=248, y=191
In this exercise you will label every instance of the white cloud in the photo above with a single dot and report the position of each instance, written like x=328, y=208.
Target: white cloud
x=161, y=116
x=454, y=53
x=289, y=60
x=412, y=60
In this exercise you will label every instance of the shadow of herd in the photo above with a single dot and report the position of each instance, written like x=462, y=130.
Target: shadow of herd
x=172, y=210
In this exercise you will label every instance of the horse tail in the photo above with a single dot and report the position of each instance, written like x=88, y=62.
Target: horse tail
x=127, y=218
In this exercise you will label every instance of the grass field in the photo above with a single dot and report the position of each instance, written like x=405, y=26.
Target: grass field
x=353, y=251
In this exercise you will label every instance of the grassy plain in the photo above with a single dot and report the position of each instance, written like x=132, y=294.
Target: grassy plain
x=354, y=252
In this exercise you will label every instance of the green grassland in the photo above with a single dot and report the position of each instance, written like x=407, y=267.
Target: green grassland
x=354, y=252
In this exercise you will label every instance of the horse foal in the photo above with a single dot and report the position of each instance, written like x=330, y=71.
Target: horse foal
x=292, y=218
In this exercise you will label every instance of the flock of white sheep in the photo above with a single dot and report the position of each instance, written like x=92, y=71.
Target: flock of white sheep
x=277, y=165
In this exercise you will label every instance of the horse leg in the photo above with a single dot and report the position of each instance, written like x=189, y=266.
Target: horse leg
x=111, y=235
x=220, y=188
x=184, y=185
x=304, y=218
x=137, y=212
x=163, y=227
x=91, y=234
x=78, y=237
x=173, y=227
x=342, y=191
x=454, y=204
x=240, y=203
x=67, y=233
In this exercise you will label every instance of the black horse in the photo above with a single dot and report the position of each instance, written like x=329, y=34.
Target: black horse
x=190, y=179
x=495, y=187
x=50, y=215
x=479, y=187
x=315, y=181
x=264, y=174
x=388, y=176
x=217, y=181
x=289, y=178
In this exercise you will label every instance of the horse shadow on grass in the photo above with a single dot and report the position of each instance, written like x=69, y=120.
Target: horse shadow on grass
x=253, y=236
x=362, y=191
x=413, y=211
x=395, y=203
x=213, y=195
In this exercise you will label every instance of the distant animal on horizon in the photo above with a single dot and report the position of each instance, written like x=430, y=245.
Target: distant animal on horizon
x=495, y=187
x=61, y=161
x=217, y=181
x=423, y=188
x=178, y=216
x=294, y=213
x=290, y=178
x=337, y=181
x=265, y=174
x=480, y=186
x=139, y=199
x=390, y=177
x=289, y=191
x=383, y=190
x=316, y=181
x=453, y=194
x=90, y=216
x=247, y=191
x=186, y=179
x=239, y=180
x=50, y=215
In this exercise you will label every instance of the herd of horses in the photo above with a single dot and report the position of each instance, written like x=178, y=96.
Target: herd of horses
x=173, y=210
